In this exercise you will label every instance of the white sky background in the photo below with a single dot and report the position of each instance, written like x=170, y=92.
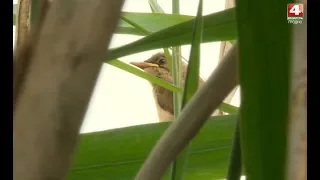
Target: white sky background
x=121, y=99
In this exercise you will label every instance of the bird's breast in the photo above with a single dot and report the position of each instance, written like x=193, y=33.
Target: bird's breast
x=164, y=103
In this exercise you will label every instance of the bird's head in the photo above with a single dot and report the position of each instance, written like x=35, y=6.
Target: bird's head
x=156, y=65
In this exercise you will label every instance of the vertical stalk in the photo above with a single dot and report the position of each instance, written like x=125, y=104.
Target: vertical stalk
x=177, y=80
x=176, y=66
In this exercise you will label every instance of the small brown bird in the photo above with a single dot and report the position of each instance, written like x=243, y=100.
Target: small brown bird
x=157, y=66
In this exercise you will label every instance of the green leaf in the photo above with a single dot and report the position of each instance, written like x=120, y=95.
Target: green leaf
x=190, y=87
x=193, y=70
x=135, y=25
x=119, y=153
x=235, y=163
x=218, y=26
x=264, y=67
x=133, y=70
x=152, y=22
x=228, y=108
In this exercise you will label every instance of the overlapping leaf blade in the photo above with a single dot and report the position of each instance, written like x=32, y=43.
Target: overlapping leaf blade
x=264, y=69
x=190, y=87
x=218, y=26
x=152, y=22
x=144, y=75
x=119, y=153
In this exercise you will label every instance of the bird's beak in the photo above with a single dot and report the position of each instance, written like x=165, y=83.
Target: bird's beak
x=143, y=65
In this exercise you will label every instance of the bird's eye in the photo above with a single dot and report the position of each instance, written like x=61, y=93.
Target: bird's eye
x=162, y=61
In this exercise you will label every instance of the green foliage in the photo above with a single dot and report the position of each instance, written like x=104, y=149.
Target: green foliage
x=142, y=74
x=190, y=87
x=264, y=67
x=119, y=153
x=218, y=26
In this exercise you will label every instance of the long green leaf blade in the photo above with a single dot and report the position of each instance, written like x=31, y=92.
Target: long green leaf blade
x=117, y=154
x=176, y=66
x=221, y=27
x=191, y=86
x=193, y=70
x=228, y=108
x=235, y=163
x=152, y=22
x=142, y=74
x=264, y=67
x=176, y=170
x=135, y=25
x=217, y=27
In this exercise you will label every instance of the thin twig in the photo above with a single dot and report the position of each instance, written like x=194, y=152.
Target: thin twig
x=192, y=117
x=57, y=86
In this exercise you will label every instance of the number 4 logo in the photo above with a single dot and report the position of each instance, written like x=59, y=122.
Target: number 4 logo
x=295, y=10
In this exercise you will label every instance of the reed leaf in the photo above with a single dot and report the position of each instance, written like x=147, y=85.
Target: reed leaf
x=190, y=88
x=220, y=26
x=264, y=67
x=101, y=155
